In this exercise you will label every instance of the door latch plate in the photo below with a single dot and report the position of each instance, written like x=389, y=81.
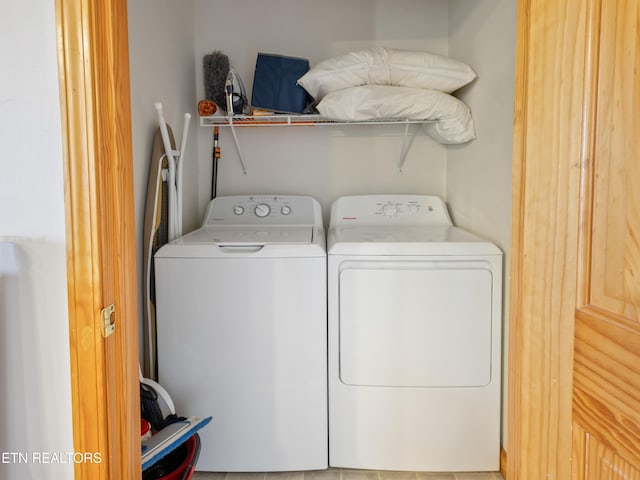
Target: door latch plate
x=107, y=320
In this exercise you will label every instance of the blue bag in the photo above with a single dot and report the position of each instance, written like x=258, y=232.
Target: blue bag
x=275, y=85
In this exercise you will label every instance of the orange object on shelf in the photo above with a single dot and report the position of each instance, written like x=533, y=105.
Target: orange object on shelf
x=207, y=107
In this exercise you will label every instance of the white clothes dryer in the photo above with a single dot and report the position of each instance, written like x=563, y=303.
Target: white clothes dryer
x=414, y=338
x=241, y=332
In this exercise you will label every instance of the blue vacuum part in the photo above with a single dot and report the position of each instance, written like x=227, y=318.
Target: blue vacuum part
x=168, y=439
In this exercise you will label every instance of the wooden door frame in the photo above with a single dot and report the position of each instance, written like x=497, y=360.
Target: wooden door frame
x=551, y=161
x=101, y=264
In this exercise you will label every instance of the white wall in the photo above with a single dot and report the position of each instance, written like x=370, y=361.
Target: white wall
x=162, y=70
x=325, y=162
x=479, y=175
x=35, y=392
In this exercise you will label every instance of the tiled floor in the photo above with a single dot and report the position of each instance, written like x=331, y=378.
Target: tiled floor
x=344, y=474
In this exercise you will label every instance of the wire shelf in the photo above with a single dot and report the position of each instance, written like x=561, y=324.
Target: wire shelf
x=294, y=120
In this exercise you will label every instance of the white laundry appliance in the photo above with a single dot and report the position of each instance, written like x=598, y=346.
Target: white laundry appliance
x=241, y=332
x=414, y=338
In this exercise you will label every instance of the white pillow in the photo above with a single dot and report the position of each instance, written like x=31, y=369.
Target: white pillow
x=454, y=123
x=386, y=66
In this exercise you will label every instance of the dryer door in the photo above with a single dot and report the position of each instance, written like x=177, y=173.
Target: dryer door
x=415, y=324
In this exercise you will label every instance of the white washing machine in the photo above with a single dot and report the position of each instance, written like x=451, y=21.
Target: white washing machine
x=241, y=329
x=414, y=338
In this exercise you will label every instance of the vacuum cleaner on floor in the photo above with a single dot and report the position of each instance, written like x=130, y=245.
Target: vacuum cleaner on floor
x=171, y=451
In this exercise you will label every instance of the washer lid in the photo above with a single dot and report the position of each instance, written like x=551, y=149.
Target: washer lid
x=406, y=240
x=248, y=236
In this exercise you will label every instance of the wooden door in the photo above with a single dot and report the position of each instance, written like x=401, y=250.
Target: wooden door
x=94, y=85
x=606, y=389
x=574, y=348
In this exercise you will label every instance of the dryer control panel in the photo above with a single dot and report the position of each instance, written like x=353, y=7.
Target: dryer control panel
x=416, y=210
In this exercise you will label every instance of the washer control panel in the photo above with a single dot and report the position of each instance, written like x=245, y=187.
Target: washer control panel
x=386, y=209
x=261, y=210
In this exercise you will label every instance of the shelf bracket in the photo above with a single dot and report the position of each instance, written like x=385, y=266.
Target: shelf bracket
x=235, y=139
x=407, y=141
x=307, y=119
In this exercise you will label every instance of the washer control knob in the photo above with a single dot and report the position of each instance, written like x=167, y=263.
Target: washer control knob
x=413, y=208
x=238, y=209
x=262, y=210
x=389, y=209
x=285, y=210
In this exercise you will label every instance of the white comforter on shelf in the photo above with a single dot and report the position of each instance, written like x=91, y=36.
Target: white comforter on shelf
x=453, y=123
x=382, y=83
